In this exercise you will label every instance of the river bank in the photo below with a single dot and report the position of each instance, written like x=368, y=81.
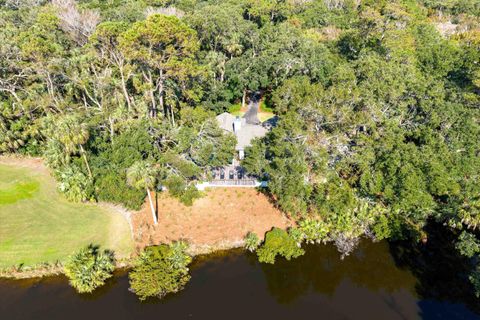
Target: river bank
x=378, y=281
x=56, y=269
x=217, y=221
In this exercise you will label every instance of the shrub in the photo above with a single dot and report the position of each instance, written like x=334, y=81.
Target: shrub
x=251, y=241
x=189, y=195
x=160, y=270
x=297, y=235
x=178, y=188
x=313, y=230
x=278, y=242
x=74, y=184
x=89, y=268
x=235, y=108
x=111, y=187
x=468, y=244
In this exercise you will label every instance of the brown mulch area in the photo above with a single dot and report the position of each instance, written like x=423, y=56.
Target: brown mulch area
x=220, y=219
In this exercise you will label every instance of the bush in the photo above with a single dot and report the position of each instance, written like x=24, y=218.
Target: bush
x=189, y=195
x=251, y=241
x=89, y=268
x=297, y=235
x=467, y=244
x=178, y=188
x=314, y=231
x=278, y=242
x=74, y=184
x=111, y=160
x=235, y=108
x=111, y=187
x=160, y=270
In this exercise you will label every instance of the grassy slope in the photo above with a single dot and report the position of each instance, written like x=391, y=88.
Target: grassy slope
x=38, y=225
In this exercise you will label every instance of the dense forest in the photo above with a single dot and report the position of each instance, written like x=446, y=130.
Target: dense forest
x=378, y=105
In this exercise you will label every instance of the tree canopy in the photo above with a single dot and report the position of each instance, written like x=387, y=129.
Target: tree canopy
x=377, y=103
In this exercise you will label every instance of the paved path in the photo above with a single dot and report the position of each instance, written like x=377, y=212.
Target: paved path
x=251, y=115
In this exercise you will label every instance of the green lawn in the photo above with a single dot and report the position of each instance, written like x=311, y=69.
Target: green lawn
x=38, y=225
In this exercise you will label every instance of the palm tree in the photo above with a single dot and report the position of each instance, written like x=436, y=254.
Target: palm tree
x=73, y=134
x=142, y=175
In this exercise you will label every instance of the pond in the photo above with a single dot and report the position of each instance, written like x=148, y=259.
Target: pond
x=378, y=281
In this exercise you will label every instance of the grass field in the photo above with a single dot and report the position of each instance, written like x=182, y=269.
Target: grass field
x=38, y=225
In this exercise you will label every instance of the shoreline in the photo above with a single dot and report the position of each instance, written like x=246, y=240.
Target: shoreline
x=197, y=246
x=56, y=269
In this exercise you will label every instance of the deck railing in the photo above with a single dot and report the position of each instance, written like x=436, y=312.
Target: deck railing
x=233, y=182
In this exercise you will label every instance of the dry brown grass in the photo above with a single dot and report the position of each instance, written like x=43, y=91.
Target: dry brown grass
x=222, y=217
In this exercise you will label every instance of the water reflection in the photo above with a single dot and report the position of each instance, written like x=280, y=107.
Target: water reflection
x=378, y=281
x=442, y=275
x=321, y=271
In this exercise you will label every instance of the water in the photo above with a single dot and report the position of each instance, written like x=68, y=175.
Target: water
x=378, y=281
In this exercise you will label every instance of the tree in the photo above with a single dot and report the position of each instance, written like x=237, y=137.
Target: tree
x=89, y=268
x=105, y=41
x=73, y=133
x=163, y=49
x=278, y=242
x=160, y=270
x=142, y=175
x=188, y=151
x=79, y=23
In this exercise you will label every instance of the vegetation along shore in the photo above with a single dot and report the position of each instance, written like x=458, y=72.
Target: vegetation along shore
x=140, y=133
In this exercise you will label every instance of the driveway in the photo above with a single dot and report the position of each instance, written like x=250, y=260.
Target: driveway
x=251, y=116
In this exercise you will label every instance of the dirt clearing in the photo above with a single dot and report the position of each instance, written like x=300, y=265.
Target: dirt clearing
x=219, y=220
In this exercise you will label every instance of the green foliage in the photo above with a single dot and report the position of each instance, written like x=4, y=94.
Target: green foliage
x=468, y=245
x=377, y=126
x=142, y=175
x=160, y=270
x=278, y=242
x=74, y=184
x=297, y=235
x=475, y=280
x=313, y=231
x=89, y=268
x=111, y=162
x=111, y=188
x=251, y=241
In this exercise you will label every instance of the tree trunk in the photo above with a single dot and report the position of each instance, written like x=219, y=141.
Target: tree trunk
x=84, y=155
x=154, y=214
x=151, y=93
x=124, y=89
x=173, y=116
x=112, y=130
x=161, y=92
x=244, y=98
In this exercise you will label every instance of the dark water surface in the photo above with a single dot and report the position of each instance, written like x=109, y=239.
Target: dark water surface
x=378, y=281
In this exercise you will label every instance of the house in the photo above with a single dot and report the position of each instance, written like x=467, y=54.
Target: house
x=244, y=131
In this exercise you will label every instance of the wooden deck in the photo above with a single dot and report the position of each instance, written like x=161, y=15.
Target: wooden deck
x=234, y=182
x=231, y=176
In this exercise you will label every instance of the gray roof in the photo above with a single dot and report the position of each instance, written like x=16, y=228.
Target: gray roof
x=225, y=121
x=247, y=132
